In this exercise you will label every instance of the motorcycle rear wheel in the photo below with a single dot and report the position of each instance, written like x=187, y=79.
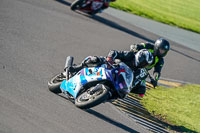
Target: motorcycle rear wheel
x=86, y=100
x=55, y=82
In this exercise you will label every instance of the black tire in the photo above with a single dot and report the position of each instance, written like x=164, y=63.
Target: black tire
x=76, y=4
x=55, y=82
x=84, y=102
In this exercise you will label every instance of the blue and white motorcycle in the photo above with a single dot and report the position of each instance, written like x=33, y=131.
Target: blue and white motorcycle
x=94, y=85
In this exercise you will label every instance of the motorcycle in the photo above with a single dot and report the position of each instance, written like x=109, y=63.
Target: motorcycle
x=88, y=6
x=94, y=85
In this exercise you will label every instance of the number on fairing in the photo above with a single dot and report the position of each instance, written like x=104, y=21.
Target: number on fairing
x=143, y=73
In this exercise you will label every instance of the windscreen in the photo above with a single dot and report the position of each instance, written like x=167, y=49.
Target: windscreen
x=128, y=75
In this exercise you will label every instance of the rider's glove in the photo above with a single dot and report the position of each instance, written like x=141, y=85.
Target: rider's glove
x=110, y=61
x=154, y=81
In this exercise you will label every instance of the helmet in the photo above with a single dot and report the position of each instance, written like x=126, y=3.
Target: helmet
x=161, y=47
x=143, y=58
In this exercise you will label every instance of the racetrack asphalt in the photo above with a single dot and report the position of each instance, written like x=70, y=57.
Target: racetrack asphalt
x=36, y=37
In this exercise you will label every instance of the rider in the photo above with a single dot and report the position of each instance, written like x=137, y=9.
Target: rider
x=135, y=61
x=159, y=50
x=141, y=59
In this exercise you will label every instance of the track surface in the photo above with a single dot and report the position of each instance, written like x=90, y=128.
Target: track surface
x=36, y=37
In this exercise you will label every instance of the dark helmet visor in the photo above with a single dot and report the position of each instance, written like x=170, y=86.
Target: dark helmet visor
x=163, y=52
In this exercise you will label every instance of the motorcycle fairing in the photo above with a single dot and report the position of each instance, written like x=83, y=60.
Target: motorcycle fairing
x=74, y=84
x=91, y=5
x=96, y=5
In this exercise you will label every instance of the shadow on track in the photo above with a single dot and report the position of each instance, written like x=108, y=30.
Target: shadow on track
x=103, y=117
x=63, y=2
x=107, y=119
x=119, y=27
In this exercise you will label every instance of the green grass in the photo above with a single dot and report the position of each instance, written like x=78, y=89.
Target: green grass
x=181, y=13
x=179, y=106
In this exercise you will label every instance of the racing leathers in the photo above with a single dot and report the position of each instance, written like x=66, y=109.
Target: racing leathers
x=158, y=62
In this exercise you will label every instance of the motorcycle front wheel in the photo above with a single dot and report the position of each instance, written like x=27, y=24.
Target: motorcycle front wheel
x=90, y=99
x=55, y=82
x=76, y=4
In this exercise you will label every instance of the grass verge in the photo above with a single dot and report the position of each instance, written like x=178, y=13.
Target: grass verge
x=184, y=14
x=178, y=106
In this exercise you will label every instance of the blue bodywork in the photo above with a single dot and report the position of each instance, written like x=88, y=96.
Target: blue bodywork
x=74, y=84
x=121, y=78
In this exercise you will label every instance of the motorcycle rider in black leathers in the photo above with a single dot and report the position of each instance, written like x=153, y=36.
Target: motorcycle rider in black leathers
x=135, y=61
x=159, y=50
x=131, y=59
